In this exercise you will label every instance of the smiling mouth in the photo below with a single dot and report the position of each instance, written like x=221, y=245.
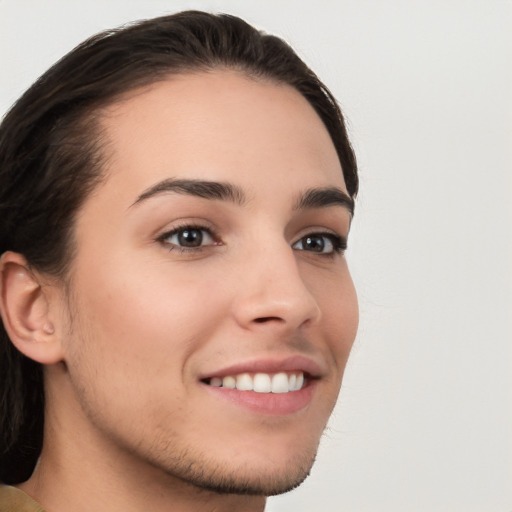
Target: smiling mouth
x=280, y=382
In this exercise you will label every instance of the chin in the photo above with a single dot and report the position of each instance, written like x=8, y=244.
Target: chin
x=255, y=482
x=243, y=477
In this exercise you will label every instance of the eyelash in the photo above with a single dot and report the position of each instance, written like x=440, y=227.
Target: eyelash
x=188, y=227
x=338, y=243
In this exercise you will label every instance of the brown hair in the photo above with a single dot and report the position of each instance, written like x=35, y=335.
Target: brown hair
x=51, y=159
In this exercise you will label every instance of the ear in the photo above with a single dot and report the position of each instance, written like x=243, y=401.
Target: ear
x=25, y=310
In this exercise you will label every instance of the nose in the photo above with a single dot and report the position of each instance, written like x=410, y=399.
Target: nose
x=273, y=292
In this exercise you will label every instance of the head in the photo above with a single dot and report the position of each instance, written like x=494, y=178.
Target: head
x=71, y=153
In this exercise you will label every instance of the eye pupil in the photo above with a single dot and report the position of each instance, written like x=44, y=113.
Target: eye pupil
x=190, y=237
x=314, y=243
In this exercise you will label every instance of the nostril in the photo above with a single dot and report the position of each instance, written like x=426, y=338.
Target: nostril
x=266, y=319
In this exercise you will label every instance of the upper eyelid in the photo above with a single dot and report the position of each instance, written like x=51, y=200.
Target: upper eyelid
x=174, y=231
x=181, y=224
x=319, y=230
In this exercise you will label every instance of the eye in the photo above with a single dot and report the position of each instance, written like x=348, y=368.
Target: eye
x=188, y=237
x=323, y=243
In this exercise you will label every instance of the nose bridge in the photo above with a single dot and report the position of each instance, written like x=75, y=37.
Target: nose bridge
x=272, y=289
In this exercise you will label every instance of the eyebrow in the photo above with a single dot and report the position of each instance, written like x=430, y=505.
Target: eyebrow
x=199, y=188
x=312, y=198
x=324, y=197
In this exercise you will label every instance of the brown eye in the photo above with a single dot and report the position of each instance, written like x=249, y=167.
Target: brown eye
x=323, y=243
x=314, y=243
x=189, y=237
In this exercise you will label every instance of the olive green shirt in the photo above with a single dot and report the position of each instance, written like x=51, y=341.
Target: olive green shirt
x=14, y=500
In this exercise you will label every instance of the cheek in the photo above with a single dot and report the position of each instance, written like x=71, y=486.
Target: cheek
x=151, y=318
x=133, y=341
x=338, y=303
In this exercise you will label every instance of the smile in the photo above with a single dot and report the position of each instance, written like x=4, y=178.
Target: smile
x=261, y=382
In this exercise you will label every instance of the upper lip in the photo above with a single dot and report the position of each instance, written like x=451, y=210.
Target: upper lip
x=295, y=363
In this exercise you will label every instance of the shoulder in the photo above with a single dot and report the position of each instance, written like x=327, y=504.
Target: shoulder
x=14, y=500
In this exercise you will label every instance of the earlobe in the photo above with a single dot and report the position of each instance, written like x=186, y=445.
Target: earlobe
x=25, y=310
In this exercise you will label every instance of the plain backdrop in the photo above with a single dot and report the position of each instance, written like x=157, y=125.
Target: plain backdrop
x=424, y=421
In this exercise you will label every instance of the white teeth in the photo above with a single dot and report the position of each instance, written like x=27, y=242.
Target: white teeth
x=280, y=383
x=300, y=381
x=261, y=382
x=244, y=382
x=229, y=382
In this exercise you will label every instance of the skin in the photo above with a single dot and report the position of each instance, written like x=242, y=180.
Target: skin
x=130, y=424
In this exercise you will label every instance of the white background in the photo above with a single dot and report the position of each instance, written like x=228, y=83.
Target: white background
x=424, y=421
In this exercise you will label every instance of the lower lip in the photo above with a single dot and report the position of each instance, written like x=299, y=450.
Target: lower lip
x=275, y=404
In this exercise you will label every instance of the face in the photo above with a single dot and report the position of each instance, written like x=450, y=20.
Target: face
x=211, y=308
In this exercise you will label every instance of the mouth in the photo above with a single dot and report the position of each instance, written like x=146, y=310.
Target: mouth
x=270, y=386
x=280, y=382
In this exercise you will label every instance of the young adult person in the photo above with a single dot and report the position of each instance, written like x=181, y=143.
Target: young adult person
x=175, y=202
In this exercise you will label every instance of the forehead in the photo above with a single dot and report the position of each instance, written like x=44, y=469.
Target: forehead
x=218, y=125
